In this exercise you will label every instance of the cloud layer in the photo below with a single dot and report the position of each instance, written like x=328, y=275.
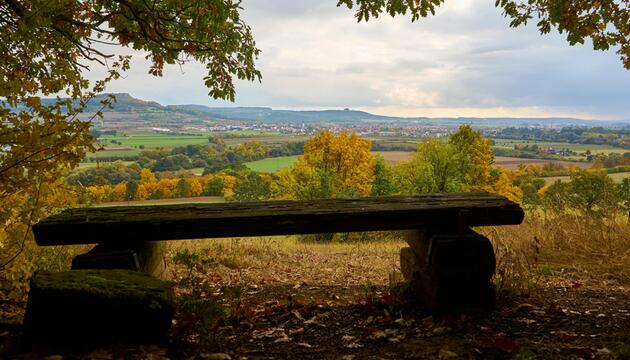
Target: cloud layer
x=465, y=61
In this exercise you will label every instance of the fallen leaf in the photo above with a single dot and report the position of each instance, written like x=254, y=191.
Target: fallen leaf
x=283, y=339
x=297, y=315
x=446, y=354
x=378, y=334
x=500, y=342
x=565, y=335
x=56, y=357
x=216, y=356
x=582, y=352
x=441, y=330
x=354, y=345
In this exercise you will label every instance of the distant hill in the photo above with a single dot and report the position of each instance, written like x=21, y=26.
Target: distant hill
x=271, y=115
x=128, y=107
x=124, y=103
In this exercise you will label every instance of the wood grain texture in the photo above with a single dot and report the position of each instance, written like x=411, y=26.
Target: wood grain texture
x=124, y=224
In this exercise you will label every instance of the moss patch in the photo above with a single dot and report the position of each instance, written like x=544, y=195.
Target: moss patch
x=105, y=283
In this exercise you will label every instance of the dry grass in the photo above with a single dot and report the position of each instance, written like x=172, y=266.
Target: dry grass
x=568, y=249
x=535, y=251
x=289, y=260
x=574, y=247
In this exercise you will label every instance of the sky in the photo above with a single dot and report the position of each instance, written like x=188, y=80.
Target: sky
x=465, y=61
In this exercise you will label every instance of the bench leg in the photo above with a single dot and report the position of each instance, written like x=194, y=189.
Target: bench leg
x=147, y=257
x=449, y=271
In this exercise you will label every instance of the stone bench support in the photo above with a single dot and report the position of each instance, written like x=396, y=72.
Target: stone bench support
x=449, y=270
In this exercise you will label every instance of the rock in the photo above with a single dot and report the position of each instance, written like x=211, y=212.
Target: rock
x=96, y=307
x=409, y=263
x=449, y=272
x=419, y=240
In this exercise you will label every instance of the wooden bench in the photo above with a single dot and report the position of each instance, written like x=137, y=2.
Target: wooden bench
x=447, y=264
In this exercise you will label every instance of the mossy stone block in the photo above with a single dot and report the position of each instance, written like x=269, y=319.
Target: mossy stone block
x=94, y=307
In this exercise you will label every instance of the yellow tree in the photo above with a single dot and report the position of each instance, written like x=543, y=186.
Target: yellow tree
x=48, y=47
x=332, y=166
x=475, y=156
x=195, y=185
x=229, y=183
x=147, y=177
x=118, y=192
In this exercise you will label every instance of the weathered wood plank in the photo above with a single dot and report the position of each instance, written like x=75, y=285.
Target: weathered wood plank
x=192, y=221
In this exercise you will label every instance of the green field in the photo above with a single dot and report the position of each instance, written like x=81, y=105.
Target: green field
x=102, y=154
x=595, y=149
x=149, y=140
x=154, y=141
x=272, y=165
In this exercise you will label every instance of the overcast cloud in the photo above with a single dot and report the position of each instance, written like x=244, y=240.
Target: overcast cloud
x=465, y=61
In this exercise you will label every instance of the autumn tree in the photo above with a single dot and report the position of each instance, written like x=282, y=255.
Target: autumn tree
x=47, y=48
x=383, y=178
x=605, y=22
x=252, y=186
x=589, y=193
x=332, y=166
x=624, y=191
x=474, y=156
x=463, y=162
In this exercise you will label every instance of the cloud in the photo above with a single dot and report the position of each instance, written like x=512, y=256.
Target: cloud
x=464, y=60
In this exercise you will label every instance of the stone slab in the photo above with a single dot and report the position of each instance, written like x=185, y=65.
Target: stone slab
x=94, y=307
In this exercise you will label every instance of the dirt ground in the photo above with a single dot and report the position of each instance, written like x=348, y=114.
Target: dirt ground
x=320, y=302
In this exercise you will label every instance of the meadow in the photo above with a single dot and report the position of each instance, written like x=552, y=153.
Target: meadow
x=272, y=165
x=111, y=153
x=154, y=140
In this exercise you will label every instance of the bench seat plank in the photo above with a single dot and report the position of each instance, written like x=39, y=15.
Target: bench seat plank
x=122, y=224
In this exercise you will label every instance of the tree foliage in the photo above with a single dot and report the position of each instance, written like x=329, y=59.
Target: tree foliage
x=592, y=194
x=461, y=163
x=605, y=22
x=332, y=166
x=47, y=46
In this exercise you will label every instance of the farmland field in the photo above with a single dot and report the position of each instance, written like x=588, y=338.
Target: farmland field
x=617, y=177
x=595, y=149
x=157, y=140
x=271, y=165
x=514, y=162
x=108, y=153
x=166, y=141
x=394, y=157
